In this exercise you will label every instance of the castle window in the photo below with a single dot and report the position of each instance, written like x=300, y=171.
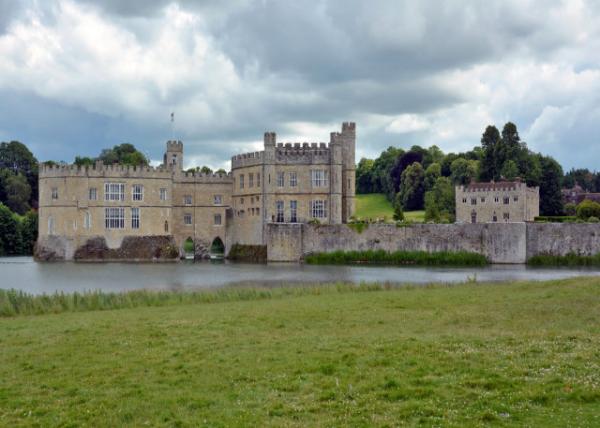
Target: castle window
x=187, y=219
x=135, y=218
x=349, y=184
x=55, y=193
x=516, y=199
x=293, y=211
x=241, y=201
x=258, y=211
x=318, y=178
x=464, y=200
x=257, y=198
x=250, y=180
x=50, y=225
x=87, y=220
x=293, y=179
x=114, y=191
x=137, y=192
x=473, y=201
x=279, y=211
x=163, y=194
x=280, y=179
x=494, y=218
x=496, y=199
x=92, y=194
x=217, y=219
x=318, y=209
x=187, y=199
x=166, y=226
x=482, y=200
x=506, y=216
x=506, y=200
x=241, y=181
x=114, y=218
x=258, y=179
x=217, y=199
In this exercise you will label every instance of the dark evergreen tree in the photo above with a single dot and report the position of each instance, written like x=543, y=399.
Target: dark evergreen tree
x=489, y=143
x=551, y=201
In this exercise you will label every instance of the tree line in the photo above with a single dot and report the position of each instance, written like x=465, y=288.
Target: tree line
x=425, y=178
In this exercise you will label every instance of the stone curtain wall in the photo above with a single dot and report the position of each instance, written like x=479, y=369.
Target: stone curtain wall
x=500, y=243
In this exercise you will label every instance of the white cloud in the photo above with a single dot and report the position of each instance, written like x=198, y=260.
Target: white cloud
x=407, y=123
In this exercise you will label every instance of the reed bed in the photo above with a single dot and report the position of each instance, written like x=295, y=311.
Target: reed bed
x=419, y=258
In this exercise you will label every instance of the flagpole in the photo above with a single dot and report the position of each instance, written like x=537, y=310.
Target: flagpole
x=172, y=126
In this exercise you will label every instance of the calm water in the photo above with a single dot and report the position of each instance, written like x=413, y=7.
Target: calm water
x=25, y=274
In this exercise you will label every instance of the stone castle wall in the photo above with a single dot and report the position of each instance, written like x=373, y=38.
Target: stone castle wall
x=500, y=243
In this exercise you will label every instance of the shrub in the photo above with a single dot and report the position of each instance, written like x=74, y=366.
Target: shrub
x=593, y=219
x=570, y=209
x=587, y=209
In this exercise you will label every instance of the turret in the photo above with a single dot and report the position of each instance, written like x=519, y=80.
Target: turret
x=348, y=138
x=173, y=158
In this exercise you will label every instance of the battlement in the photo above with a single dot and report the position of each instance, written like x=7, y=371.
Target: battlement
x=198, y=177
x=99, y=169
x=247, y=159
x=348, y=127
x=174, y=146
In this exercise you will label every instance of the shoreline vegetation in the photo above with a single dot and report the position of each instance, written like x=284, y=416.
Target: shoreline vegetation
x=339, y=355
x=400, y=258
x=568, y=260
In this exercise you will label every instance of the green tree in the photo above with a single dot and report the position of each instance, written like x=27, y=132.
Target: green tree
x=464, y=171
x=18, y=193
x=18, y=159
x=432, y=173
x=205, y=170
x=551, y=201
x=510, y=170
x=29, y=231
x=125, y=154
x=412, y=187
x=382, y=166
x=587, y=209
x=9, y=232
x=398, y=208
x=440, y=201
x=83, y=161
x=570, y=209
x=364, y=176
x=221, y=171
x=489, y=143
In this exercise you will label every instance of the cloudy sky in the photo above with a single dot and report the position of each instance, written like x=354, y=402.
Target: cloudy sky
x=80, y=75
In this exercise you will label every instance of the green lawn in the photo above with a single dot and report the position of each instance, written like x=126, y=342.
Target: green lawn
x=520, y=354
x=375, y=205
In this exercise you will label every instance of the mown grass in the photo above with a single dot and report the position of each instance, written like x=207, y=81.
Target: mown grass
x=571, y=259
x=513, y=354
x=376, y=206
x=420, y=258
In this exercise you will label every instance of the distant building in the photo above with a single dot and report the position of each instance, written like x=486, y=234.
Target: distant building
x=576, y=195
x=504, y=201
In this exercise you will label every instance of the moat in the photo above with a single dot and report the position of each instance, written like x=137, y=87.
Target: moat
x=24, y=274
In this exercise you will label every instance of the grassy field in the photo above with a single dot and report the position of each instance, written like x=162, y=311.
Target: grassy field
x=521, y=354
x=375, y=205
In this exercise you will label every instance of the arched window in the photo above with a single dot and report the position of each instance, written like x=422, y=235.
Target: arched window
x=50, y=225
x=87, y=220
x=166, y=226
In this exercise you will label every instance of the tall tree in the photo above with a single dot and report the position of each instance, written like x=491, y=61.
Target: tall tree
x=551, y=201
x=412, y=188
x=18, y=159
x=402, y=162
x=510, y=170
x=382, y=182
x=364, y=177
x=432, y=173
x=18, y=193
x=464, y=171
x=440, y=201
x=9, y=233
x=489, y=143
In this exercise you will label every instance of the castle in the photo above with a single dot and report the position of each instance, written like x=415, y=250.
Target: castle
x=494, y=202
x=127, y=212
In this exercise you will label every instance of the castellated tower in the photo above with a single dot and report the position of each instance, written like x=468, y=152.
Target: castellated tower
x=173, y=158
x=348, y=170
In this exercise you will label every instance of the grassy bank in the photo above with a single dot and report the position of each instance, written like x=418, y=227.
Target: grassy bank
x=419, y=258
x=567, y=260
x=376, y=205
x=520, y=354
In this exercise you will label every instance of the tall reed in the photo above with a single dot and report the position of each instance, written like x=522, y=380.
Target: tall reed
x=421, y=258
